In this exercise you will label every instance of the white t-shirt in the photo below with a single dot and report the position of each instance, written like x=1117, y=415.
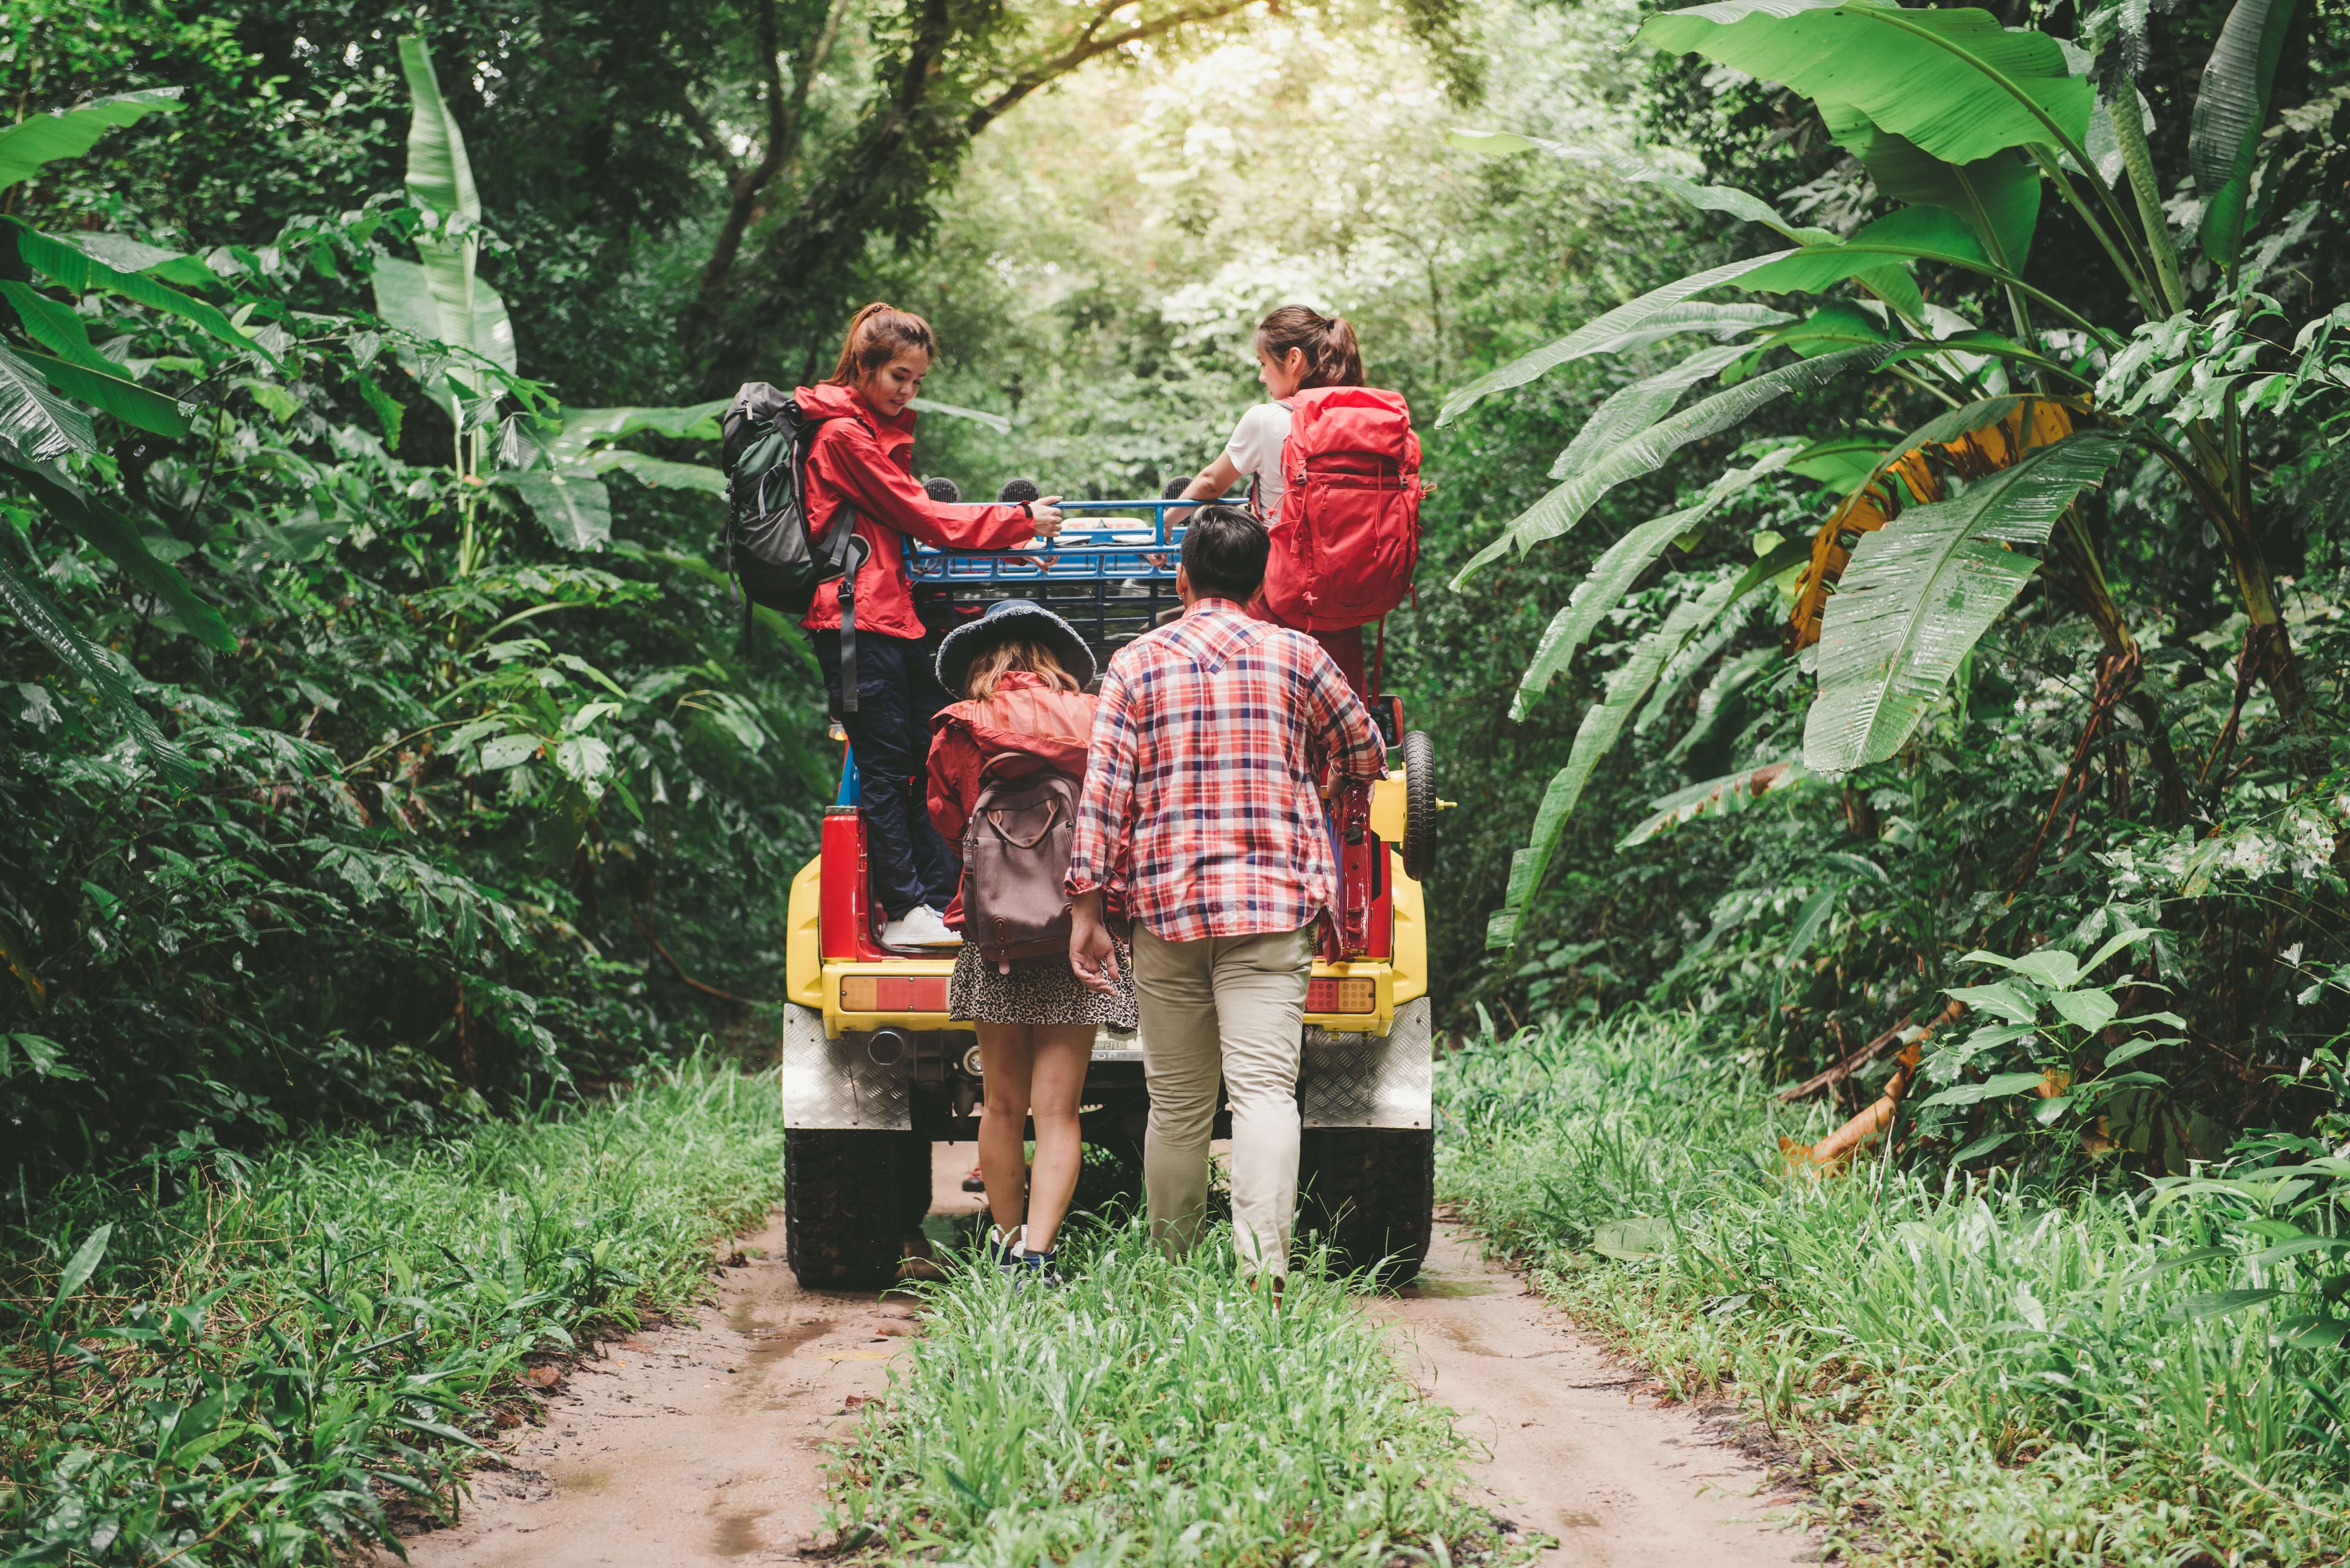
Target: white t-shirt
x=1256, y=451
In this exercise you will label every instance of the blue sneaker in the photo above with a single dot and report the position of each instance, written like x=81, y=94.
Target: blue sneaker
x=1036, y=1268
x=1004, y=1248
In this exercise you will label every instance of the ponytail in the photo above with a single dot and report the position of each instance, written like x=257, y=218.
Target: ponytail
x=1333, y=359
x=881, y=333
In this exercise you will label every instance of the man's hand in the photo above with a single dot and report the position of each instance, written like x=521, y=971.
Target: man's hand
x=1093, y=955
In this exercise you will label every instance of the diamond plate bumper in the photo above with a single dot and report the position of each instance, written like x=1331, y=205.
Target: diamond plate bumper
x=1371, y=1080
x=838, y=1082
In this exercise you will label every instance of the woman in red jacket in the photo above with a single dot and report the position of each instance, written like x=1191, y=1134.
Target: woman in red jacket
x=1022, y=670
x=862, y=458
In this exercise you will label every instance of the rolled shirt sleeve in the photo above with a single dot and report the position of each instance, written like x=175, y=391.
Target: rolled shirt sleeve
x=1106, y=806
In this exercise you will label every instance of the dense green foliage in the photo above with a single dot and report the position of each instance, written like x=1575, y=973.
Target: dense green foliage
x=1967, y=1371
x=1153, y=1410
x=251, y=1372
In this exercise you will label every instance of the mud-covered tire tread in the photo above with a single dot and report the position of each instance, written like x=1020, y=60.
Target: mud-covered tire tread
x=1419, y=805
x=1370, y=1193
x=844, y=1200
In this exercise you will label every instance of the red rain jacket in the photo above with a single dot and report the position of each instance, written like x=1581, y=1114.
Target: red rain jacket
x=1023, y=715
x=867, y=461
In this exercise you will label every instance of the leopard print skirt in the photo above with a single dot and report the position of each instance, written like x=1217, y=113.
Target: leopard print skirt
x=1051, y=993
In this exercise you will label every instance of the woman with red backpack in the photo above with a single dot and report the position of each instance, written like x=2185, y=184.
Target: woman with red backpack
x=1025, y=716
x=861, y=459
x=1334, y=474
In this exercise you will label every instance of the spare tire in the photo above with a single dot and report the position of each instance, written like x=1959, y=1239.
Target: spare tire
x=1419, y=805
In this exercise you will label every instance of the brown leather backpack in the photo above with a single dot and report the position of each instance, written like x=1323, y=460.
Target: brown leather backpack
x=1015, y=856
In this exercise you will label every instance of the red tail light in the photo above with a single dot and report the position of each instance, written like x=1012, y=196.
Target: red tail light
x=893, y=994
x=1333, y=995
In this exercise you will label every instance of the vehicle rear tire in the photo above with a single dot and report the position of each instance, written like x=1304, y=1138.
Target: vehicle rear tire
x=1370, y=1194
x=1419, y=805
x=847, y=1197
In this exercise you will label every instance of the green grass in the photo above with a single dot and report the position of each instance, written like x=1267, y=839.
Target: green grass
x=1971, y=1375
x=1153, y=1412
x=252, y=1363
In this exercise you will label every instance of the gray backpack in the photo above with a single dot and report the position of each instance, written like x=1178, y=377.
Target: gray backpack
x=1015, y=855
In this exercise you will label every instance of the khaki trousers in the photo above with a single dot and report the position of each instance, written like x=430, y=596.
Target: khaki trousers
x=1234, y=1008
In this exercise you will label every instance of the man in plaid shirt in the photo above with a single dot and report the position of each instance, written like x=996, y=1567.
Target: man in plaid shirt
x=1211, y=740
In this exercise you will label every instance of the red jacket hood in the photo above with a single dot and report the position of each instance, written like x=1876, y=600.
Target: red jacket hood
x=830, y=400
x=1023, y=714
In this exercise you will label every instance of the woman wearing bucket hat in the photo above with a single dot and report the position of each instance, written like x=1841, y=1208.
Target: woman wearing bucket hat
x=1021, y=672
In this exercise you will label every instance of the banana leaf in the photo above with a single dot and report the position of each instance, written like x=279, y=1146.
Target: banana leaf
x=38, y=616
x=44, y=426
x=1560, y=510
x=650, y=471
x=1955, y=81
x=1920, y=593
x=1603, y=722
x=54, y=327
x=582, y=428
x=1897, y=240
x=1620, y=565
x=1630, y=409
x=119, y=540
x=126, y=400
x=1998, y=197
x=1714, y=797
x=1604, y=335
x=1726, y=199
x=78, y=270
x=42, y=139
x=2230, y=109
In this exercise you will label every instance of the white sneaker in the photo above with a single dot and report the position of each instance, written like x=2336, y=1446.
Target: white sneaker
x=919, y=928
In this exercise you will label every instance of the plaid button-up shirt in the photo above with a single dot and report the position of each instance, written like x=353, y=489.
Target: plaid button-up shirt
x=1202, y=782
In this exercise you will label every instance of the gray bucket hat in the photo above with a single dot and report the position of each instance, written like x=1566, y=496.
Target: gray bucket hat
x=1005, y=619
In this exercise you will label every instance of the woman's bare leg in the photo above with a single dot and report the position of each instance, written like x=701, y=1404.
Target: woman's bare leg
x=1056, y=1086
x=1006, y=1057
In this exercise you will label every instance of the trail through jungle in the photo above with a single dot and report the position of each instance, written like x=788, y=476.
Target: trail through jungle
x=703, y=1442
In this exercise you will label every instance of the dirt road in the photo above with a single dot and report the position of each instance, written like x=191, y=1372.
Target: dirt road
x=700, y=1444
x=1577, y=1451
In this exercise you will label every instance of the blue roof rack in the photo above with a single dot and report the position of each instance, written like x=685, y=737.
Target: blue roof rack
x=1110, y=573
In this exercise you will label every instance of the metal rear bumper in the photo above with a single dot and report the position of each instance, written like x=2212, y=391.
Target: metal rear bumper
x=1344, y=1080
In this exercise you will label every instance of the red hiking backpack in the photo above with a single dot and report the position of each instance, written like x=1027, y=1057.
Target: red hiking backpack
x=1348, y=535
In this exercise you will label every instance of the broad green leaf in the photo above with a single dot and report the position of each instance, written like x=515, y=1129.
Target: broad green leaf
x=2298, y=1247
x=508, y=751
x=56, y=327
x=1907, y=234
x=1629, y=410
x=2230, y=109
x=439, y=176
x=1617, y=568
x=1560, y=510
x=38, y=616
x=1714, y=797
x=1603, y=722
x=1981, y=1146
x=1786, y=558
x=1839, y=462
x=44, y=427
x=136, y=255
x=126, y=400
x=2114, y=944
x=1604, y=335
x=1998, y=197
x=1921, y=591
x=42, y=139
x=582, y=428
x=1840, y=324
x=1954, y=81
x=1726, y=199
x=2129, y=1051
x=2051, y=967
x=119, y=541
x=654, y=471
x=2088, y=1011
x=1630, y=1241
x=1997, y=1086
x=995, y=422
x=84, y=1263
x=76, y=269
x=2001, y=999
x=577, y=512
x=1809, y=919
x=2218, y=1304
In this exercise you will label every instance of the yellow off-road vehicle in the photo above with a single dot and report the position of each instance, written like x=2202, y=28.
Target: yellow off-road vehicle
x=874, y=1072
